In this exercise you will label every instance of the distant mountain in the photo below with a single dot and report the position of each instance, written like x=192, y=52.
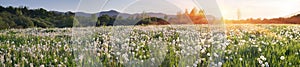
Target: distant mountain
x=124, y=15
x=298, y=15
x=110, y=13
x=82, y=14
x=293, y=15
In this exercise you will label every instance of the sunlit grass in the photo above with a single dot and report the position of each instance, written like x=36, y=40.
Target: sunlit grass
x=165, y=46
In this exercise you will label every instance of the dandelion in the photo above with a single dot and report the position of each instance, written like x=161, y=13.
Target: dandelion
x=194, y=65
x=98, y=54
x=259, y=49
x=216, y=55
x=80, y=57
x=282, y=57
x=42, y=66
x=118, y=53
x=42, y=56
x=153, y=59
x=263, y=58
x=31, y=65
x=220, y=63
x=262, y=65
x=59, y=65
x=241, y=59
x=55, y=60
x=260, y=62
x=267, y=64
x=108, y=55
x=202, y=51
x=208, y=54
x=16, y=65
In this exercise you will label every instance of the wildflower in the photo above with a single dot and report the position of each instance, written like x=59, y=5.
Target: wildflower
x=31, y=65
x=216, y=55
x=42, y=66
x=267, y=64
x=263, y=58
x=16, y=65
x=59, y=65
x=55, y=60
x=118, y=53
x=241, y=59
x=208, y=54
x=152, y=59
x=259, y=49
x=108, y=55
x=42, y=56
x=202, y=51
x=282, y=58
x=98, y=54
x=220, y=63
x=262, y=65
x=80, y=57
x=260, y=62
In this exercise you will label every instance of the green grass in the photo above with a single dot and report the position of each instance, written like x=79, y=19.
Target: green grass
x=163, y=46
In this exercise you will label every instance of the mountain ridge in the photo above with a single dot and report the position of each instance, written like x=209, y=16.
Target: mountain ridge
x=124, y=15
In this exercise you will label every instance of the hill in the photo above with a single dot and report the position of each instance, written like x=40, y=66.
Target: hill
x=124, y=15
x=295, y=19
x=22, y=17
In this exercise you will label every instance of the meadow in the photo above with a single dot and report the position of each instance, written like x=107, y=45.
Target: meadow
x=245, y=45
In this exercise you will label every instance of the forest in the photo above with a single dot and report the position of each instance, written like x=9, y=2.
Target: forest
x=289, y=20
x=23, y=17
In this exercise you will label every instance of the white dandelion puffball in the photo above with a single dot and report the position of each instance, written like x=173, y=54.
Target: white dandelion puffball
x=282, y=58
x=241, y=59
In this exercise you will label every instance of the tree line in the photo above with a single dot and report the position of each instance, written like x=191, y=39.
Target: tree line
x=23, y=17
x=289, y=20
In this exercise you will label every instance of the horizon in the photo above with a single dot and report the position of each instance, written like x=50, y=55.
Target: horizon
x=249, y=9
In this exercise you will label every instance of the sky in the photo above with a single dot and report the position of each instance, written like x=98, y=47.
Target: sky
x=226, y=8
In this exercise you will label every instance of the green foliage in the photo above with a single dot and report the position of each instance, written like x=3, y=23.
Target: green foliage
x=152, y=21
x=3, y=24
x=247, y=46
x=23, y=22
x=105, y=20
x=21, y=17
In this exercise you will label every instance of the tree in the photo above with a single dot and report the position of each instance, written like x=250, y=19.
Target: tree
x=8, y=18
x=152, y=21
x=41, y=23
x=103, y=20
x=24, y=22
x=19, y=12
x=93, y=18
x=166, y=17
x=22, y=17
x=3, y=24
x=193, y=12
x=2, y=8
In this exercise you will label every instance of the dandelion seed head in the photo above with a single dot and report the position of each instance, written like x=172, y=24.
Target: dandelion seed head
x=282, y=57
x=241, y=59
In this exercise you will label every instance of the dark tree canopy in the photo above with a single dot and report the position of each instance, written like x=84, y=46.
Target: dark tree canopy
x=22, y=17
x=153, y=21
